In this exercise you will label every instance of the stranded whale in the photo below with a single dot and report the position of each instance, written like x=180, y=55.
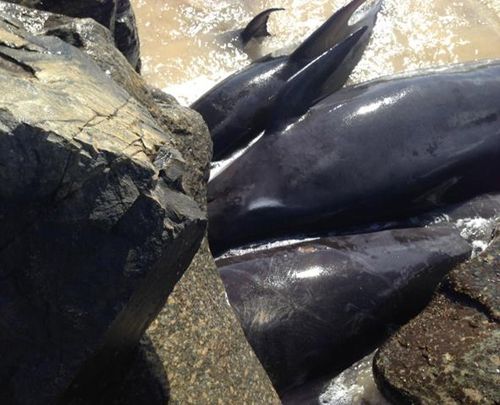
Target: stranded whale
x=257, y=28
x=237, y=109
x=319, y=306
x=378, y=151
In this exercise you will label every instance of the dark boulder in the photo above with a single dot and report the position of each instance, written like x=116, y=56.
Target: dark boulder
x=116, y=15
x=126, y=34
x=187, y=336
x=93, y=234
x=144, y=382
x=449, y=353
x=90, y=37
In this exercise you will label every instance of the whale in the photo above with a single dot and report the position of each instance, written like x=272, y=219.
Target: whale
x=378, y=151
x=257, y=27
x=237, y=109
x=255, y=31
x=316, y=307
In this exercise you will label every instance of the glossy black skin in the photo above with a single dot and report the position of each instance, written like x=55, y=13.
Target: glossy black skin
x=379, y=151
x=237, y=109
x=319, y=306
x=257, y=28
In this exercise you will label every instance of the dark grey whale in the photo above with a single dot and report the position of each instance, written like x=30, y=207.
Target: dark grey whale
x=319, y=306
x=378, y=151
x=236, y=110
x=257, y=28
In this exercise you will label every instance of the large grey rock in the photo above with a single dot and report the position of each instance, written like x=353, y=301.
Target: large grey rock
x=197, y=335
x=94, y=233
x=449, y=353
x=186, y=339
x=90, y=37
x=116, y=15
x=202, y=346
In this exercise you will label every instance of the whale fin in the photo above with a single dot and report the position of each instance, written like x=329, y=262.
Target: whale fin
x=258, y=26
x=307, y=86
x=340, y=76
x=334, y=30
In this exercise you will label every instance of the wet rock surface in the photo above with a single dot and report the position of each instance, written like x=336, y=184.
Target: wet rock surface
x=116, y=15
x=93, y=236
x=449, y=353
x=126, y=34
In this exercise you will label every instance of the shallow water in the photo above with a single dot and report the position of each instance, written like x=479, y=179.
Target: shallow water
x=189, y=45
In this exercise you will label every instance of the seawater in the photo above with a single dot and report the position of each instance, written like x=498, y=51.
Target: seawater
x=189, y=45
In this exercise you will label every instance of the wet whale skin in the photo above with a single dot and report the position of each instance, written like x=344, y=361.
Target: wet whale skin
x=321, y=305
x=378, y=151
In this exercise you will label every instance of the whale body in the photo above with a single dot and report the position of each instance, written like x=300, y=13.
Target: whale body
x=237, y=109
x=378, y=151
x=317, y=307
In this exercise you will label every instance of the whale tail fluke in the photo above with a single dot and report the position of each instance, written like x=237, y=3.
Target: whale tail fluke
x=257, y=28
x=335, y=30
x=318, y=79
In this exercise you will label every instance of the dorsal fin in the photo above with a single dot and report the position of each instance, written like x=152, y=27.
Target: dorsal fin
x=334, y=30
x=336, y=80
x=258, y=26
x=306, y=87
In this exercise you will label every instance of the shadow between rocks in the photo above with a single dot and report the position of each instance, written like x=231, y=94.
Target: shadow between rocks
x=142, y=381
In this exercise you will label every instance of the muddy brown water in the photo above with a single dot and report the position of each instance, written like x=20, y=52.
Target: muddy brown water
x=189, y=45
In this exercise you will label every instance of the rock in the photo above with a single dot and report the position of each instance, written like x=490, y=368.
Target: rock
x=191, y=138
x=145, y=382
x=449, y=353
x=202, y=346
x=201, y=290
x=116, y=15
x=197, y=335
x=90, y=37
x=126, y=34
x=93, y=232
